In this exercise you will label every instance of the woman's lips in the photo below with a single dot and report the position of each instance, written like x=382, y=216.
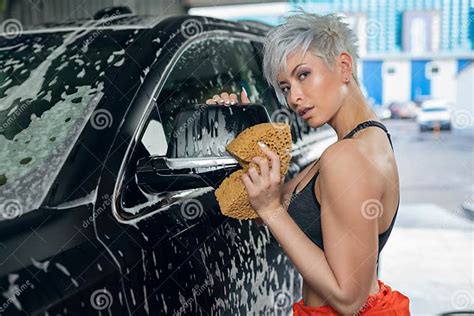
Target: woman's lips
x=307, y=114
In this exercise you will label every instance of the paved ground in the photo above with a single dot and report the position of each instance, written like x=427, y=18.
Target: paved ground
x=429, y=258
x=430, y=254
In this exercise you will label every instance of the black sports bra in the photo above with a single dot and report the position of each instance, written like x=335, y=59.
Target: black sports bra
x=308, y=217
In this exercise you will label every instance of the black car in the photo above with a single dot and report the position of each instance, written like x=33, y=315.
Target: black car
x=88, y=121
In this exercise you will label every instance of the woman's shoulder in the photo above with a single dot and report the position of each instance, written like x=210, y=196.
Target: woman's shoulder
x=345, y=149
x=357, y=149
x=348, y=158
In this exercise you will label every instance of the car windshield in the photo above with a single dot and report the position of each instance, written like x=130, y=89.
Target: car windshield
x=49, y=86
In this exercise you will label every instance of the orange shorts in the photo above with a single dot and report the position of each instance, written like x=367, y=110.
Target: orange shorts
x=385, y=302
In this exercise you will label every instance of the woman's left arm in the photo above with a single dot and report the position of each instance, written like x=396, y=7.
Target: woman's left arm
x=350, y=205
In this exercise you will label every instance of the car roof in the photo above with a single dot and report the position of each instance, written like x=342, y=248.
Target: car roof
x=129, y=21
x=124, y=21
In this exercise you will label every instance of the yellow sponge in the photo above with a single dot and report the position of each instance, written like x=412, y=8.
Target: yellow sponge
x=231, y=193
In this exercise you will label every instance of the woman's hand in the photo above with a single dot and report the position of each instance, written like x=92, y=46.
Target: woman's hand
x=264, y=189
x=229, y=99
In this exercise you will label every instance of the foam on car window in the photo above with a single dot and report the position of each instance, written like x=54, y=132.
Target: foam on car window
x=49, y=86
x=31, y=160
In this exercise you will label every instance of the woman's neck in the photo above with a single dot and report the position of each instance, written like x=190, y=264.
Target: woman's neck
x=354, y=110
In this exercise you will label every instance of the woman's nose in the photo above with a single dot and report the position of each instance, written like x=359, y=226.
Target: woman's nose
x=295, y=97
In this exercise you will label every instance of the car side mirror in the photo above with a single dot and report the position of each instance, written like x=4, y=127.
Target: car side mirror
x=196, y=155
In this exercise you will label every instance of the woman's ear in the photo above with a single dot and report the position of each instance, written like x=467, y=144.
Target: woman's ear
x=345, y=62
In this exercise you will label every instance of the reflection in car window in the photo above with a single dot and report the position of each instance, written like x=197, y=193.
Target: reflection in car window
x=206, y=67
x=209, y=67
x=49, y=85
x=153, y=138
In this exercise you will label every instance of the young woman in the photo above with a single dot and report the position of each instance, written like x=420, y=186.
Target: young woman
x=333, y=219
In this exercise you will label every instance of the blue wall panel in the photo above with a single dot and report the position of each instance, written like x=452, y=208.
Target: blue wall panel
x=463, y=63
x=420, y=85
x=372, y=72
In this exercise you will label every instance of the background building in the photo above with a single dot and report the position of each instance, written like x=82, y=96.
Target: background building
x=410, y=50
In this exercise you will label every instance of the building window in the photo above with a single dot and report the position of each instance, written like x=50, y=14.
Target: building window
x=421, y=31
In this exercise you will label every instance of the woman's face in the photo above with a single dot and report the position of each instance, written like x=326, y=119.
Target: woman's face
x=312, y=89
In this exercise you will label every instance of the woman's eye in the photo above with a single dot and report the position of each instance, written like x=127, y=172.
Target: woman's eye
x=305, y=73
x=283, y=90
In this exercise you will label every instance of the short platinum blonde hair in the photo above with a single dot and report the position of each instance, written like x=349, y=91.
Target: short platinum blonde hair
x=325, y=35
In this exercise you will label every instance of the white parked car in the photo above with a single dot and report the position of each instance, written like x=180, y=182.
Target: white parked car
x=434, y=113
x=383, y=112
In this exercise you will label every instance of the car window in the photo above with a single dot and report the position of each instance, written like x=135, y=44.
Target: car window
x=49, y=86
x=207, y=67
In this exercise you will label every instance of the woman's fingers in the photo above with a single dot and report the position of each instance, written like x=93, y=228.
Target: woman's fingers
x=248, y=182
x=226, y=98
x=218, y=99
x=254, y=176
x=263, y=165
x=244, y=97
x=233, y=98
x=213, y=100
x=229, y=99
x=275, y=162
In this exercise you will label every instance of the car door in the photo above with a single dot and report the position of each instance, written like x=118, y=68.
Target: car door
x=194, y=260
x=50, y=261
